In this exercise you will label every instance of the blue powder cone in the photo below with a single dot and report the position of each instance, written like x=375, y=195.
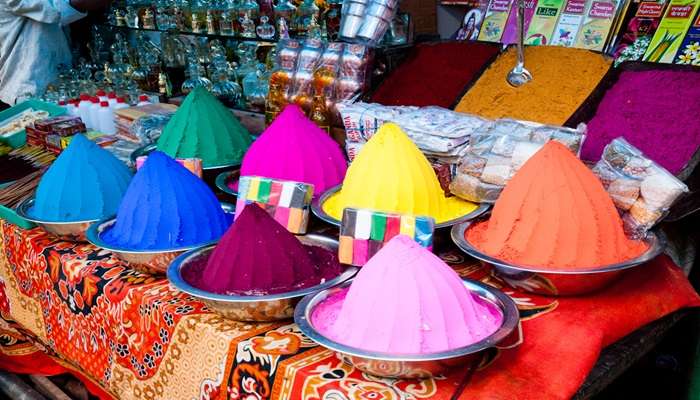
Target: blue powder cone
x=166, y=207
x=85, y=182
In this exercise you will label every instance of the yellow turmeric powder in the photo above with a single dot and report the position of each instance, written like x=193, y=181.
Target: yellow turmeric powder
x=562, y=79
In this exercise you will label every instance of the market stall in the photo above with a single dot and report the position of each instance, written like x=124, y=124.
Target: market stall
x=294, y=228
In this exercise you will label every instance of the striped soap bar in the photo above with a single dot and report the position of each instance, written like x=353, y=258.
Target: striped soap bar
x=286, y=201
x=363, y=232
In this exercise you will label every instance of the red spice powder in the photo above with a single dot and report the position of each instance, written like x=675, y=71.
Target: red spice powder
x=435, y=74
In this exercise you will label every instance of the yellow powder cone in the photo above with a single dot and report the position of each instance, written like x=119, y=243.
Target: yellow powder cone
x=391, y=174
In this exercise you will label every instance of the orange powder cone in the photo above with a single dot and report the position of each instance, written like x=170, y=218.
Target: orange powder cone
x=555, y=213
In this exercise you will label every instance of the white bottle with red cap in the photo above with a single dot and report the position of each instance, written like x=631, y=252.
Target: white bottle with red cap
x=143, y=100
x=105, y=118
x=101, y=95
x=120, y=104
x=112, y=99
x=72, y=107
x=94, y=108
x=84, y=108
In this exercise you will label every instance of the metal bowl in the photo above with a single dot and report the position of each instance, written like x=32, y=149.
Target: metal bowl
x=224, y=178
x=410, y=366
x=154, y=262
x=548, y=282
x=317, y=208
x=147, y=149
x=73, y=231
x=250, y=308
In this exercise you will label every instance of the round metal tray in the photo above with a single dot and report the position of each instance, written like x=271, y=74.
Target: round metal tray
x=317, y=209
x=251, y=308
x=410, y=365
x=147, y=149
x=148, y=261
x=557, y=282
x=222, y=181
x=73, y=231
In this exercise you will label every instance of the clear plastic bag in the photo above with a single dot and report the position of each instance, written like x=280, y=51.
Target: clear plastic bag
x=499, y=149
x=642, y=190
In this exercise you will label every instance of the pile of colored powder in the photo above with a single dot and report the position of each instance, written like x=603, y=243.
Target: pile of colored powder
x=445, y=69
x=293, y=148
x=258, y=256
x=406, y=300
x=85, y=182
x=562, y=79
x=555, y=213
x=204, y=128
x=656, y=111
x=391, y=174
x=166, y=207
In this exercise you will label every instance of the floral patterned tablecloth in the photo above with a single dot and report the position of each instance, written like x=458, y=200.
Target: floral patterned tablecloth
x=136, y=337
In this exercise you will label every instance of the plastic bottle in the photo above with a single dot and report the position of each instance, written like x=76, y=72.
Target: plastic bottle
x=72, y=107
x=143, y=100
x=120, y=103
x=112, y=99
x=106, y=119
x=101, y=95
x=92, y=111
x=84, y=107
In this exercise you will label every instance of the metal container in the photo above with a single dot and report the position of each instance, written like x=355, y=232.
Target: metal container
x=392, y=4
x=225, y=178
x=548, y=282
x=73, y=231
x=373, y=29
x=350, y=25
x=381, y=11
x=317, y=208
x=250, y=308
x=354, y=8
x=410, y=366
x=154, y=262
x=149, y=148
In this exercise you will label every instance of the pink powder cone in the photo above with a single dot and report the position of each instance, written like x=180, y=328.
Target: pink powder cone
x=294, y=148
x=406, y=300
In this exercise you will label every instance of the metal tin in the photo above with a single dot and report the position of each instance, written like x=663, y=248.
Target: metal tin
x=147, y=149
x=354, y=8
x=72, y=231
x=388, y=3
x=149, y=261
x=373, y=29
x=380, y=11
x=226, y=177
x=317, y=208
x=411, y=365
x=251, y=308
x=350, y=26
x=569, y=282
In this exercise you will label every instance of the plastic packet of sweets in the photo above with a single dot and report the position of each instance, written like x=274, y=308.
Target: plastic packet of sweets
x=641, y=189
x=497, y=151
x=363, y=232
x=287, y=202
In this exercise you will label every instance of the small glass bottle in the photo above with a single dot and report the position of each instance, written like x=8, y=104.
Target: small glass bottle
x=195, y=79
x=211, y=23
x=265, y=30
x=305, y=12
x=132, y=17
x=226, y=23
x=248, y=11
x=149, y=19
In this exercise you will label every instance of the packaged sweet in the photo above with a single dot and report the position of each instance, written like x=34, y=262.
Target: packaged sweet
x=497, y=150
x=641, y=189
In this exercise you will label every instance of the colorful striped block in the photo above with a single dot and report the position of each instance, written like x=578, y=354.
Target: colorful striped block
x=363, y=232
x=194, y=165
x=287, y=202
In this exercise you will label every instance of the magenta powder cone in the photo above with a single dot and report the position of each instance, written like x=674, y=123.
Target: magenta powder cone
x=258, y=256
x=293, y=148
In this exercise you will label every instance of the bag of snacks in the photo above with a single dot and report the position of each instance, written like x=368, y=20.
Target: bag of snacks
x=641, y=189
x=496, y=153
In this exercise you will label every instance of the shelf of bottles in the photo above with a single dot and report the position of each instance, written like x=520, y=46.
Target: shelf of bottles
x=239, y=19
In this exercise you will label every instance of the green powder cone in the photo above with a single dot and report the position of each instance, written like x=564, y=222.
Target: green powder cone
x=204, y=128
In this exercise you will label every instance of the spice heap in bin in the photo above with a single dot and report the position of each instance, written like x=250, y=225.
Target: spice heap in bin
x=412, y=173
